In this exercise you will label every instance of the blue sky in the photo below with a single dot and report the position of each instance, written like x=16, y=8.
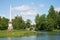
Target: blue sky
x=27, y=8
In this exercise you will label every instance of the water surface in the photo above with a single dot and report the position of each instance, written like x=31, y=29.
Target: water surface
x=39, y=36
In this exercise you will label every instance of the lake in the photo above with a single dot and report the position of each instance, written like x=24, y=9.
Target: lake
x=39, y=36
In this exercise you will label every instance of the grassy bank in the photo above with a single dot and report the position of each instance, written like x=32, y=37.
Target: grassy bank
x=56, y=30
x=16, y=33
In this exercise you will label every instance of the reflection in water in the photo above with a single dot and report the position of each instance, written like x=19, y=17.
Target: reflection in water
x=9, y=38
x=39, y=36
x=54, y=35
x=49, y=36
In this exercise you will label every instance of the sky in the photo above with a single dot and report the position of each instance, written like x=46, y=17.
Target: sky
x=27, y=8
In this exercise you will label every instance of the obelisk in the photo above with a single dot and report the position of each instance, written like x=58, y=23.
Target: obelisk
x=10, y=27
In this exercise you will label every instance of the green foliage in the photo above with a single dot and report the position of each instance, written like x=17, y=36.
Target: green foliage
x=28, y=23
x=58, y=21
x=3, y=23
x=49, y=22
x=43, y=22
x=51, y=13
x=18, y=23
x=40, y=22
x=37, y=21
x=16, y=33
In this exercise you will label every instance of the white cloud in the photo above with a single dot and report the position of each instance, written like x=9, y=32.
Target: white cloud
x=26, y=11
x=57, y=9
x=41, y=5
x=28, y=15
x=22, y=8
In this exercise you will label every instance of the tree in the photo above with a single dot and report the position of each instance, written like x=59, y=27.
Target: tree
x=52, y=13
x=58, y=21
x=28, y=23
x=3, y=23
x=43, y=22
x=0, y=18
x=40, y=22
x=50, y=24
x=37, y=18
x=52, y=16
x=18, y=23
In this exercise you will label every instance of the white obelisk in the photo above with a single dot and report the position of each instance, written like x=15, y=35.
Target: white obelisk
x=10, y=27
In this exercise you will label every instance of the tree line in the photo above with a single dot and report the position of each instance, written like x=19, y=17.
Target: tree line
x=18, y=23
x=44, y=22
x=48, y=22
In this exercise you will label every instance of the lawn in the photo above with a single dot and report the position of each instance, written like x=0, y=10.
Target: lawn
x=56, y=30
x=16, y=33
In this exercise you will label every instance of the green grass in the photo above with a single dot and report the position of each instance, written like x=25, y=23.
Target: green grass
x=56, y=30
x=16, y=33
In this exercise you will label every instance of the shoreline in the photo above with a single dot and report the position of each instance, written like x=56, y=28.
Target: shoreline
x=20, y=33
x=16, y=33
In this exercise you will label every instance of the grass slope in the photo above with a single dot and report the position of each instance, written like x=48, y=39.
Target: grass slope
x=16, y=33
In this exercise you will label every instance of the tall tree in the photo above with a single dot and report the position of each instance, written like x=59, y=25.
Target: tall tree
x=43, y=22
x=28, y=23
x=40, y=22
x=18, y=23
x=58, y=21
x=0, y=18
x=51, y=13
x=37, y=18
x=53, y=16
x=3, y=23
